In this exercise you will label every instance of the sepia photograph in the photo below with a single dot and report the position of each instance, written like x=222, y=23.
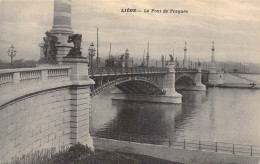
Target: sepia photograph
x=129, y=82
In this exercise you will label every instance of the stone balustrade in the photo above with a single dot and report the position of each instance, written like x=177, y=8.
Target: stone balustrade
x=17, y=76
x=6, y=78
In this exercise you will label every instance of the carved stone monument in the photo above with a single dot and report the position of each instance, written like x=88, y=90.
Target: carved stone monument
x=49, y=49
x=61, y=29
x=75, y=52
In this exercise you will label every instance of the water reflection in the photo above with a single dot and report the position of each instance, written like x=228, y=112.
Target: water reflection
x=227, y=115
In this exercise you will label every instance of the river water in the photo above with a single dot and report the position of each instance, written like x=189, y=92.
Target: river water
x=218, y=114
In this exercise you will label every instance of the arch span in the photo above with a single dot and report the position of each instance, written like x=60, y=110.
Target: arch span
x=132, y=85
x=185, y=75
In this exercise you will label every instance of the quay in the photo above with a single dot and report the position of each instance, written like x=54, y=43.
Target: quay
x=182, y=151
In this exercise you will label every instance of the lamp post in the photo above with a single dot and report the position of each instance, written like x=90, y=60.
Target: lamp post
x=91, y=53
x=162, y=58
x=12, y=53
x=97, y=50
x=126, y=57
x=147, y=59
x=147, y=55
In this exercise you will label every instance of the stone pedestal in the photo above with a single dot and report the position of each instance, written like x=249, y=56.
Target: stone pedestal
x=63, y=47
x=169, y=85
x=79, y=68
x=80, y=101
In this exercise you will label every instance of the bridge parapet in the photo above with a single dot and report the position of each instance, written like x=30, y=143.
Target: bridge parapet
x=186, y=70
x=23, y=76
x=15, y=83
x=194, y=70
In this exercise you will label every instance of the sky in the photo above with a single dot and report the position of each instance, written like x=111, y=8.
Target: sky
x=232, y=24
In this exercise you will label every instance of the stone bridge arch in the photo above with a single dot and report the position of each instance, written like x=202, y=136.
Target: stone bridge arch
x=187, y=75
x=131, y=85
x=194, y=76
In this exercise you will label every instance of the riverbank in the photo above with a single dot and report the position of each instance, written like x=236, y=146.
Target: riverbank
x=234, y=85
x=80, y=154
x=172, y=154
x=238, y=81
x=113, y=157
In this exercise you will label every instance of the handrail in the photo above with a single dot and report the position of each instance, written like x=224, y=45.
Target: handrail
x=135, y=70
x=186, y=70
x=223, y=147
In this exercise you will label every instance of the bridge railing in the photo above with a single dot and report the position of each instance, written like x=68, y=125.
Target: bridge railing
x=21, y=76
x=130, y=70
x=186, y=69
x=239, y=149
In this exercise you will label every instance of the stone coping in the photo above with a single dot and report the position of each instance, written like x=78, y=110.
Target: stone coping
x=33, y=69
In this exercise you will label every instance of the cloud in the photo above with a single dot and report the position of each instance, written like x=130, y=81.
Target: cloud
x=233, y=25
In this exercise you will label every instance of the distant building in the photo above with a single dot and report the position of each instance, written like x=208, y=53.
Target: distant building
x=235, y=70
x=114, y=62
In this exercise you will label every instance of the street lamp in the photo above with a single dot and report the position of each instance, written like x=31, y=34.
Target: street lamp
x=162, y=61
x=91, y=53
x=126, y=57
x=147, y=59
x=12, y=53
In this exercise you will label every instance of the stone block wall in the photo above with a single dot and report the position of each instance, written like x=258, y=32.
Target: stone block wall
x=79, y=125
x=216, y=78
x=35, y=122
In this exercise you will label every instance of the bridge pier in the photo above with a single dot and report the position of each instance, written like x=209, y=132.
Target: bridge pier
x=194, y=80
x=198, y=85
x=169, y=86
x=80, y=102
x=215, y=78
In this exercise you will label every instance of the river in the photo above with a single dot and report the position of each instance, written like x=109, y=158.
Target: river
x=218, y=114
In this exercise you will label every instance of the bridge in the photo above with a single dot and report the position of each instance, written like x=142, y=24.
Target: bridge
x=144, y=80
x=46, y=107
